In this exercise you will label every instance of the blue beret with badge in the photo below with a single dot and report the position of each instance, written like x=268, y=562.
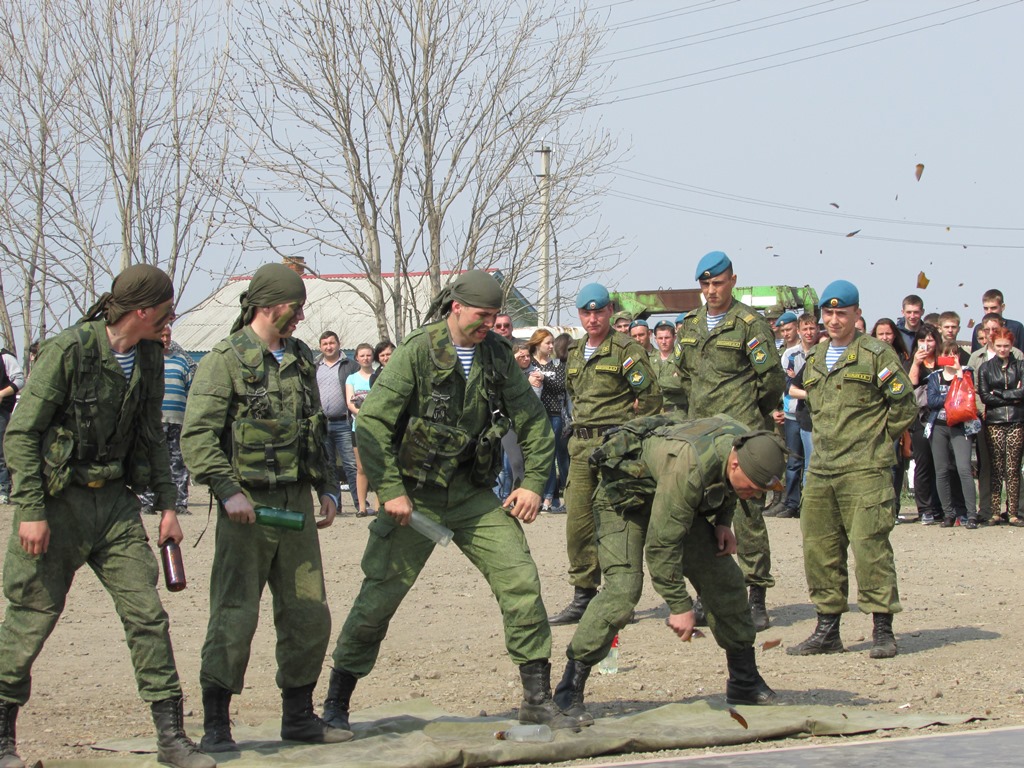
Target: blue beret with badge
x=639, y=323
x=592, y=296
x=712, y=265
x=785, y=318
x=667, y=323
x=839, y=293
x=680, y=317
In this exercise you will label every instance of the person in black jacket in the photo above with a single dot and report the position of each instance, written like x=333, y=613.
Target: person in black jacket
x=1001, y=387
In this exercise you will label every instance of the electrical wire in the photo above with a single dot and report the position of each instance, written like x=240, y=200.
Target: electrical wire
x=624, y=99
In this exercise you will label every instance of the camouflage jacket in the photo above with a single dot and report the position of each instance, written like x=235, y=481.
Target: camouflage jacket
x=78, y=403
x=669, y=379
x=859, y=407
x=422, y=390
x=734, y=369
x=604, y=388
x=679, y=467
x=239, y=382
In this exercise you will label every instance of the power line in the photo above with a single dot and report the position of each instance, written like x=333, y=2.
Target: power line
x=793, y=50
x=796, y=228
x=617, y=55
x=671, y=184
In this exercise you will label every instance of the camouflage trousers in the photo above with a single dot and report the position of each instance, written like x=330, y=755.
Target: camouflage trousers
x=620, y=544
x=179, y=472
x=101, y=528
x=753, y=550
x=492, y=540
x=580, y=538
x=851, y=510
x=246, y=559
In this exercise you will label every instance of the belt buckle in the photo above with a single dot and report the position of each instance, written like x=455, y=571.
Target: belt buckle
x=96, y=483
x=584, y=433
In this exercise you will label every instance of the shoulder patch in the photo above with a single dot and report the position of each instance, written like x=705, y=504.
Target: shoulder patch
x=637, y=379
x=896, y=386
x=759, y=356
x=752, y=344
x=885, y=374
x=628, y=363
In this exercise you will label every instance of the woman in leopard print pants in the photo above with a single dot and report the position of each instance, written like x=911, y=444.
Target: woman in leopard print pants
x=1001, y=387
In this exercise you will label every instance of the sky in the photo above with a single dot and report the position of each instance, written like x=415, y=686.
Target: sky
x=749, y=158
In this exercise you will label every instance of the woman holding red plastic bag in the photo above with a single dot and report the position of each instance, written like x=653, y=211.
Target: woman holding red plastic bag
x=1000, y=382
x=952, y=423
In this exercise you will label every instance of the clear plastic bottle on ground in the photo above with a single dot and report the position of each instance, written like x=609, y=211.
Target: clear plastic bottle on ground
x=610, y=664
x=526, y=733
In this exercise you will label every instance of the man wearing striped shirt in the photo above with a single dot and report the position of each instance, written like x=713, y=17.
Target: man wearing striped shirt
x=179, y=368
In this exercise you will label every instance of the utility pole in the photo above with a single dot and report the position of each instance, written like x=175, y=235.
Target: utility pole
x=544, y=289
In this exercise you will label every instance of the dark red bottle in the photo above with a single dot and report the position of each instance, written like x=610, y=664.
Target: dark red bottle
x=174, y=568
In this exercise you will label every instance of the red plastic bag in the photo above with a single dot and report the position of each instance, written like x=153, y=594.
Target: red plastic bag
x=960, y=404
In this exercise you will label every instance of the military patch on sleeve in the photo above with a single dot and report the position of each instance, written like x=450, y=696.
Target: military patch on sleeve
x=884, y=375
x=628, y=363
x=896, y=387
x=678, y=350
x=637, y=379
x=759, y=356
x=852, y=357
x=752, y=344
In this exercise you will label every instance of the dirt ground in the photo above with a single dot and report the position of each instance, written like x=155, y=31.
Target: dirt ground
x=959, y=634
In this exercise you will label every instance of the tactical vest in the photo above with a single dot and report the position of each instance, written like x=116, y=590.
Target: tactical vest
x=267, y=449
x=430, y=448
x=625, y=478
x=80, y=446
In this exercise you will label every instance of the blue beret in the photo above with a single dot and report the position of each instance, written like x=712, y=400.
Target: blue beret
x=840, y=293
x=712, y=265
x=641, y=323
x=666, y=324
x=786, y=317
x=680, y=317
x=593, y=296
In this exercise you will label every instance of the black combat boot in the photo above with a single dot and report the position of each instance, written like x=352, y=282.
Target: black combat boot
x=700, y=619
x=173, y=747
x=573, y=612
x=824, y=639
x=537, y=705
x=746, y=686
x=8, y=742
x=300, y=723
x=758, y=612
x=569, y=693
x=217, y=721
x=884, y=646
x=339, y=696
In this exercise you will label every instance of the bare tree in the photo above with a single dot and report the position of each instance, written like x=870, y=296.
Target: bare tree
x=396, y=135
x=114, y=148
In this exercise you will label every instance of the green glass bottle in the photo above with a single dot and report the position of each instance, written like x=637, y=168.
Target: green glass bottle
x=280, y=518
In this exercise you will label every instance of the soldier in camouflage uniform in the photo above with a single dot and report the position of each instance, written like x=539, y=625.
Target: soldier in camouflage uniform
x=665, y=362
x=609, y=380
x=861, y=401
x=669, y=489
x=429, y=436
x=729, y=364
x=255, y=389
x=87, y=427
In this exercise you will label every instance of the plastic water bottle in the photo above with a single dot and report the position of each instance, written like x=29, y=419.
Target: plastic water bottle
x=526, y=733
x=610, y=664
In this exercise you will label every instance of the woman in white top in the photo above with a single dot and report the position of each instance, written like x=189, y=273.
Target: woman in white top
x=357, y=386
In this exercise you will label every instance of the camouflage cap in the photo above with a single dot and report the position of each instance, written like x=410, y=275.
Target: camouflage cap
x=619, y=317
x=762, y=457
x=140, y=286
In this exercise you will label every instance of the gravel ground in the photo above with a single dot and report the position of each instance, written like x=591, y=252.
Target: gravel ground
x=959, y=637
